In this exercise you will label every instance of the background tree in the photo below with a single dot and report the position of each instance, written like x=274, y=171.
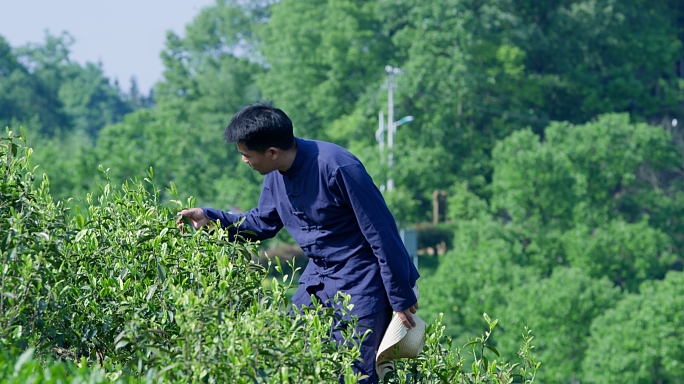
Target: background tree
x=550, y=124
x=571, y=200
x=24, y=98
x=627, y=254
x=560, y=309
x=63, y=107
x=477, y=71
x=86, y=97
x=332, y=51
x=475, y=277
x=639, y=340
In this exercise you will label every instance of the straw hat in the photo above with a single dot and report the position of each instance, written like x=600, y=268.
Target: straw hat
x=400, y=342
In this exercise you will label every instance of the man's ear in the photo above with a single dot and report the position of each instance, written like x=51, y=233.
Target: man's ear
x=273, y=153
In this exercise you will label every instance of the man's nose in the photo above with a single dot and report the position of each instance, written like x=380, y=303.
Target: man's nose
x=244, y=160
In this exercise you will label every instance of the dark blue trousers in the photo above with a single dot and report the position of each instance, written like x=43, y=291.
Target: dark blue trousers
x=377, y=322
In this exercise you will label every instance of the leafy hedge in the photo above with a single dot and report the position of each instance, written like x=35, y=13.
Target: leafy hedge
x=118, y=289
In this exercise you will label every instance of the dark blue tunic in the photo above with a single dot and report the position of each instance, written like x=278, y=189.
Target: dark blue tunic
x=332, y=208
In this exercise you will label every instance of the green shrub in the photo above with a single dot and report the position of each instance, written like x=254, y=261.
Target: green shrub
x=33, y=234
x=119, y=289
x=26, y=369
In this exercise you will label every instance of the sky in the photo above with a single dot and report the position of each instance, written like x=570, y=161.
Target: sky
x=126, y=36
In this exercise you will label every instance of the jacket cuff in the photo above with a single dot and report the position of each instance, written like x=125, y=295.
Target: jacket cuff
x=407, y=300
x=215, y=214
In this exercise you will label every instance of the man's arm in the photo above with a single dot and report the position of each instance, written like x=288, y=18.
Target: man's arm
x=378, y=227
x=261, y=223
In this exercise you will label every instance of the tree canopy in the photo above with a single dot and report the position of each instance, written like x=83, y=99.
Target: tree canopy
x=555, y=129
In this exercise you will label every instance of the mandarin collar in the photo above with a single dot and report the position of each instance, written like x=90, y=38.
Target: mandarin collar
x=299, y=160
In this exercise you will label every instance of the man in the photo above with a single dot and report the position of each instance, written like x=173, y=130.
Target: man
x=324, y=197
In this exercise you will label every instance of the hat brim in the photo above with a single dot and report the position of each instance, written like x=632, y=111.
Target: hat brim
x=400, y=342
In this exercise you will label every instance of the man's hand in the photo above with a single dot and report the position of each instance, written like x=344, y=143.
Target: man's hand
x=406, y=316
x=196, y=216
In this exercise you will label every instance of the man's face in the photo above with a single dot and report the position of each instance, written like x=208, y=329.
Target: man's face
x=260, y=162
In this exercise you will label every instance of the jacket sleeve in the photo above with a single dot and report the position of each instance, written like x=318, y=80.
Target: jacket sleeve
x=259, y=223
x=377, y=224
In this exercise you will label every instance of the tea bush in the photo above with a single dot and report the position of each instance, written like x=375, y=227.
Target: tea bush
x=24, y=369
x=33, y=234
x=120, y=290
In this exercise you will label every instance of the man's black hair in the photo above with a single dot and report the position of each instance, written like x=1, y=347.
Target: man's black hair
x=260, y=126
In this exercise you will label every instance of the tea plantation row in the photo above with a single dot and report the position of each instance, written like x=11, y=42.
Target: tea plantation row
x=116, y=293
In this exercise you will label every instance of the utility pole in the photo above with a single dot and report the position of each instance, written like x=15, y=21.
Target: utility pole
x=391, y=128
x=380, y=133
x=408, y=237
x=392, y=125
x=380, y=137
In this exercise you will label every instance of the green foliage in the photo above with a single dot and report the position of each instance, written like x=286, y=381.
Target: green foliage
x=415, y=176
x=476, y=276
x=440, y=363
x=61, y=94
x=560, y=309
x=328, y=50
x=24, y=98
x=549, y=190
x=639, y=341
x=26, y=369
x=71, y=162
x=197, y=162
x=207, y=76
x=573, y=47
x=583, y=177
x=608, y=155
x=64, y=104
x=628, y=254
x=33, y=231
x=533, y=182
x=583, y=198
x=120, y=287
x=474, y=72
x=462, y=204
